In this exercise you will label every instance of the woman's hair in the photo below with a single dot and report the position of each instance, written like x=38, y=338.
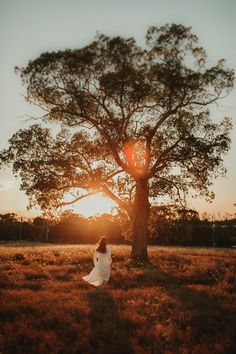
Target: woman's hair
x=102, y=245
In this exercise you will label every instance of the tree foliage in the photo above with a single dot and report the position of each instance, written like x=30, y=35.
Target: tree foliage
x=127, y=114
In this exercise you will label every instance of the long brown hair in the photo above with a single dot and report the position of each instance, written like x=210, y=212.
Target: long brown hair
x=102, y=245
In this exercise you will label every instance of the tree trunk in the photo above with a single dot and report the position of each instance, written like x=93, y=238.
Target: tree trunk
x=140, y=220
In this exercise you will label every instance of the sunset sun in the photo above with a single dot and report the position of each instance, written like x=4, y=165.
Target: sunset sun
x=93, y=205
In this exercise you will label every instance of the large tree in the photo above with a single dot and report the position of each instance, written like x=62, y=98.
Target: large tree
x=135, y=124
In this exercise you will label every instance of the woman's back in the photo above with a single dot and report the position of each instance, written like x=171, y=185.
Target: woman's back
x=102, y=258
x=102, y=261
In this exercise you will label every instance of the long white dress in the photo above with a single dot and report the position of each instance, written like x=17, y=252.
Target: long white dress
x=101, y=271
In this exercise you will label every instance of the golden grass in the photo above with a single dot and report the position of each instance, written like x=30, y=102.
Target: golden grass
x=183, y=301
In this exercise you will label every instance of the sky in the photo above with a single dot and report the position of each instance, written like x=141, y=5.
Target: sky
x=30, y=27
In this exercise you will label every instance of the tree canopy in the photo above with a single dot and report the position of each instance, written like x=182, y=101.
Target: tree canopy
x=130, y=117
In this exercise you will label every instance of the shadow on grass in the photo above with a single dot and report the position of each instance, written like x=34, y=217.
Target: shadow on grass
x=210, y=316
x=109, y=332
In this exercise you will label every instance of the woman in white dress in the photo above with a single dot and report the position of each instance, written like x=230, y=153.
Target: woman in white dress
x=102, y=262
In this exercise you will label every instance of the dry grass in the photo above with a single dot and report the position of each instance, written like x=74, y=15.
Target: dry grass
x=183, y=301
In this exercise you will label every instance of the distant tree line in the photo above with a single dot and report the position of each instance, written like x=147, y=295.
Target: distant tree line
x=173, y=226
x=168, y=225
x=68, y=228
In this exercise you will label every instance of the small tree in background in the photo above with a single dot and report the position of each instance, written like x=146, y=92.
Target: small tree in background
x=135, y=124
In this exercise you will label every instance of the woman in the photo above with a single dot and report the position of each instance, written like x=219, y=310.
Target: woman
x=102, y=260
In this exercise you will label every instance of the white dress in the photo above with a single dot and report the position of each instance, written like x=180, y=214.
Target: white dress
x=101, y=270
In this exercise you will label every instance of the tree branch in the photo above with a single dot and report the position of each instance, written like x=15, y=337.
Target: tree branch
x=163, y=154
x=116, y=199
x=77, y=199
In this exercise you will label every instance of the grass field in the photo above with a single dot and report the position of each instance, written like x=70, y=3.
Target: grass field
x=183, y=301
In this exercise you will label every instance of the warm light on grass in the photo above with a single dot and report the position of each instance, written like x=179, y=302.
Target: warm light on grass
x=184, y=298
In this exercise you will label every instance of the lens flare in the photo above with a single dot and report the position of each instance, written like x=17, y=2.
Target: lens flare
x=136, y=154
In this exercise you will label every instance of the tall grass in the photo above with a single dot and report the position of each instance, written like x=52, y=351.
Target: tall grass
x=182, y=301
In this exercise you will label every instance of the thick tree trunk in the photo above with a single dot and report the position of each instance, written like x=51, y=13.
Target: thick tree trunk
x=140, y=221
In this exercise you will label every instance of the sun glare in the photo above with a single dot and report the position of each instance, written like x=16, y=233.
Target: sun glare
x=136, y=154
x=93, y=205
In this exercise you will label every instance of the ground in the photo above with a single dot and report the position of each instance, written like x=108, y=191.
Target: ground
x=182, y=301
